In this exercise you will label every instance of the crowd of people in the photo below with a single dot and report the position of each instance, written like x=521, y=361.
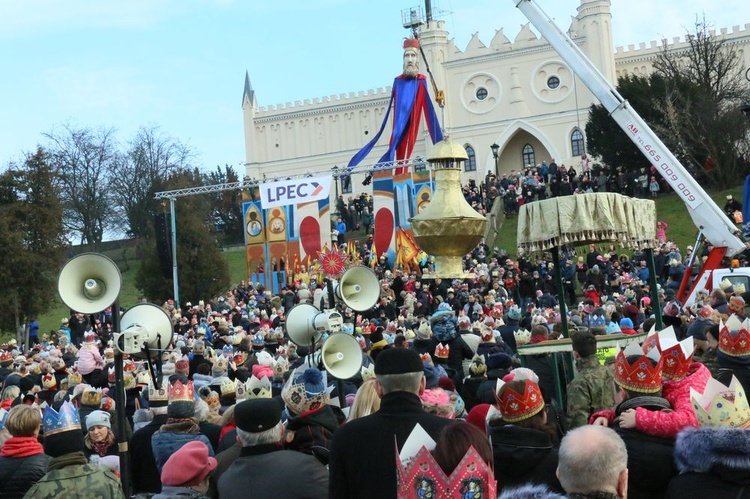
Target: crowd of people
x=235, y=409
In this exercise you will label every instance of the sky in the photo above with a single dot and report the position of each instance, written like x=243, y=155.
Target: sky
x=180, y=65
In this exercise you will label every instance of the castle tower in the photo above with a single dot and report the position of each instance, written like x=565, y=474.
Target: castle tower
x=595, y=24
x=249, y=107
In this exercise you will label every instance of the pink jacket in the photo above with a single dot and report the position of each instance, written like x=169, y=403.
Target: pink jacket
x=668, y=424
x=89, y=359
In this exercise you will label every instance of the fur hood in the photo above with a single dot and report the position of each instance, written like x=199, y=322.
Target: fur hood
x=701, y=449
x=530, y=491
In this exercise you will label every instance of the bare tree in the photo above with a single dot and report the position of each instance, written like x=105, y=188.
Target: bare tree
x=84, y=160
x=142, y=171
x=705, y=88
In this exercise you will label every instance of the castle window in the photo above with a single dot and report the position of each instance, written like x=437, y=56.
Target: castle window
x=528, y=156
x=471, y=164
x=481, y=93
x=553, y=82
x=576, y=143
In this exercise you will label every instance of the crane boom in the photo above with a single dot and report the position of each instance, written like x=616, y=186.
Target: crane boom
x=706, y=214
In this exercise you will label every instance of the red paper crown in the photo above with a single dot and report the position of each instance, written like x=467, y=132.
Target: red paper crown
x=516, y=406
x=640, y=376
x=734, y=338
x=442, y=351
x=676, y=356
x=411, y=43
x=181, y=393
x=423, y=477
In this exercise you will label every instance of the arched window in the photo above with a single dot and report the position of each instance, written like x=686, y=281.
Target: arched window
x=576, y=143
x=528, y=156
x=471, y=164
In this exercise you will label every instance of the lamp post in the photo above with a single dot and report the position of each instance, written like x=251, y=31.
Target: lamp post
x=745, y=108
x=495, y=154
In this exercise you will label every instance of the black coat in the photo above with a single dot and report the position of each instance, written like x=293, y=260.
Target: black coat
x=143, y=464
x=523, y=455
x=363, y=455
x=18, y=474
x=650, y=463
x=269, y=470
x=721, y=451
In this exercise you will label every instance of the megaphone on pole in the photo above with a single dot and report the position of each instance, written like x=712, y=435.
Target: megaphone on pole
x=358, y=288
x=305, y=324
x=146, y=330
x=341, y=356
x=89, y=283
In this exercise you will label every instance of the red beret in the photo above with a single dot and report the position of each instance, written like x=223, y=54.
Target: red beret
x=188, y=466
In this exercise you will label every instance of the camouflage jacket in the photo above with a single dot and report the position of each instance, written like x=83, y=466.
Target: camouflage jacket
x=590, y=391
x=82, y=481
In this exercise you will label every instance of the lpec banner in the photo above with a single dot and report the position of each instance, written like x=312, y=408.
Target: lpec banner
x=295, y=191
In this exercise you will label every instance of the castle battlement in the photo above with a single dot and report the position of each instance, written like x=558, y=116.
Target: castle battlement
x=678, y=42
x=326, y=101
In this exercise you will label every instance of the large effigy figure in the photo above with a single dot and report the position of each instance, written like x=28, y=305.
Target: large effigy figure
x=393, y=190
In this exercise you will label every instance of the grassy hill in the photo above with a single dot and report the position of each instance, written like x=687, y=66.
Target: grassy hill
x=668, y=207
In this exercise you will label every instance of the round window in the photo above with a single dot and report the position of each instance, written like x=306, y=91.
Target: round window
x=553, y=82
x=481, y=93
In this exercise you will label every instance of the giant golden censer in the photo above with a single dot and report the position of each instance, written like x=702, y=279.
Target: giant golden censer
x=449, y=227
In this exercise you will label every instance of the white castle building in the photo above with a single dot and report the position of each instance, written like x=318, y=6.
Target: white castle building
x=517, y=94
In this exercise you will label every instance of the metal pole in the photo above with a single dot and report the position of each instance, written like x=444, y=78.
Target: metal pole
x=561, y=291
x=655, y=305
x=175, y=280
x=122, y=441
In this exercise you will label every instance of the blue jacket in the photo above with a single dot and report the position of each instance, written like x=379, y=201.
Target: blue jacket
x=166, y=443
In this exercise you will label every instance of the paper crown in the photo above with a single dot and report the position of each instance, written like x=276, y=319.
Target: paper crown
x=157, y=398
x=676, y=355
x=522, y=336
x=143, y=378
x=282, y=350
x=419, y=475
x=91, y=397
x=183, y=364
x=227, y=387
x=411, y=43
x=725, y=284
x=442, y=351
x=181, y=393
x=6, y=356
x=74, y=379
x=240, y=358
x=720, y=405
x=734, y=337
x=220, y=363
x=49, y=382
x=515, y=406
x=56, y=422
x=298, y=399
x=652, y=339
x=254, y=388
x=280, y=366
x=640, y=376
x=597, y=321
x=367, y=372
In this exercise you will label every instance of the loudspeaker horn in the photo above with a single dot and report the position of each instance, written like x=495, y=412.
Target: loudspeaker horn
x=305, y=324
x=144, y=326
x=359, y=288
x=89, y=283
x=341, y=355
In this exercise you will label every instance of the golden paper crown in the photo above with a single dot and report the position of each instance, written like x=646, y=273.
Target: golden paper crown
x=442, y=351
x=280, y=366
x=519, y=406
x=49, y=382
x=74, y=379
x=676, y=355
x=734, y=337
x=640, y=376
x=367, y=372
x=720, y=405
x=157, y=398
x=91, y=397
x=420, y=476
x=522, y=336
x=227, y=387
x=181, y=393
x=254, y=388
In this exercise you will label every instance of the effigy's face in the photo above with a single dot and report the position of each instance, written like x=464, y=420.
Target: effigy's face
x=411, y=63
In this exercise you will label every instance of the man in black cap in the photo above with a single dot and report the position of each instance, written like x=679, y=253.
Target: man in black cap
x=264, y=468
x=363, y=457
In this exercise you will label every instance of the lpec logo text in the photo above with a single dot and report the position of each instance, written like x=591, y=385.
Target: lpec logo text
x=301, y=190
